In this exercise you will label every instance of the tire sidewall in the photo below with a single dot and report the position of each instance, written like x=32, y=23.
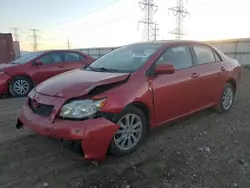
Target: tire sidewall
x=11, y=85
x=134, y=110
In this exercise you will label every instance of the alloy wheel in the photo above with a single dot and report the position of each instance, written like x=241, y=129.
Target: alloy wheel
x=21, y=87
x=227, y=99
x=129, y=133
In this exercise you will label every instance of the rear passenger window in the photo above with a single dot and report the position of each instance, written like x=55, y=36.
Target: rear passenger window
x=73, y=57
x=179, y=56
x=204, y=54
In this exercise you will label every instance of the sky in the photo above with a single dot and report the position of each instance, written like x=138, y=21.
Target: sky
x=101, y=23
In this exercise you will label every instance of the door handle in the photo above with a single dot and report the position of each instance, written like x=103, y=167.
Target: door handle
x=195, y=75
x=223, y=69
x=60, y=66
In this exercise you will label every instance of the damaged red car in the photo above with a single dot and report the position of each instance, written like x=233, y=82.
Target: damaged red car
x=111, y=104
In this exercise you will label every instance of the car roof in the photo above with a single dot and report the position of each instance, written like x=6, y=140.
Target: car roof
x=59, y=50
x=172, y=42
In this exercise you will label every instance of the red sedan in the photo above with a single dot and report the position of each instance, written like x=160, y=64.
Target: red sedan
x=21, y=75
x=111, y=104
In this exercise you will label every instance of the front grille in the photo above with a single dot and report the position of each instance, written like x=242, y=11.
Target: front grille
x=41, y=109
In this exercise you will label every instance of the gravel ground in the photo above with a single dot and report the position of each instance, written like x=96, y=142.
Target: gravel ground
x=205, y=150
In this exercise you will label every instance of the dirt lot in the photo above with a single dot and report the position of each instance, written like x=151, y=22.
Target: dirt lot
x=206, y=150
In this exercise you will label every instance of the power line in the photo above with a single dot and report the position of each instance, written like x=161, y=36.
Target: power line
x=149, y=8
x=34, y=36
x=89, y=13
x=15, y=33
x=180, y=12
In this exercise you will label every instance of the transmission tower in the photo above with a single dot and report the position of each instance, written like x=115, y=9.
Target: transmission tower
x=34, y=36
x=149, y=8
x=68, y=44
x=156, y=31
x=180, y=12
x=15, y=33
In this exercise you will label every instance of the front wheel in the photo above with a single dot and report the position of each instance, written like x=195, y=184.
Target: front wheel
x=20, y=86
x=226, y=100
x=132, y=131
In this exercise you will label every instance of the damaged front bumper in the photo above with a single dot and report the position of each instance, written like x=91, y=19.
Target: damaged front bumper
x=95, y=134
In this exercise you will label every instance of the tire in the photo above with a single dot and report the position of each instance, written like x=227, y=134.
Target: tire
x=221, y=106
x=27, y=85
x=130, y=111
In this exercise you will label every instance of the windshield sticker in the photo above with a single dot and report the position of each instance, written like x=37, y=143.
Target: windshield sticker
x=141, y=54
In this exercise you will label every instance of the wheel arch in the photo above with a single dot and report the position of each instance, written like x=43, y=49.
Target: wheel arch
x=233, y=83
x=144, y=108
x=23, y=75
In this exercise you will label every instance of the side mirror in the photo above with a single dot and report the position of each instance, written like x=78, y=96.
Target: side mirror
x=164, y=69
x=38, y=62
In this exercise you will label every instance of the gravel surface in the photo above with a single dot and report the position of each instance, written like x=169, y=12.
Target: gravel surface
x=205, y=150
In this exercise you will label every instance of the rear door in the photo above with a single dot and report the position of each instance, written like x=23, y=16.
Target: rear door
x=73, y=60
x=212, y=74
x=175, y=94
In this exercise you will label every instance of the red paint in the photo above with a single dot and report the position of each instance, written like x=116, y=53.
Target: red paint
x=6, y=48
x=166, y=96
x=38, y=73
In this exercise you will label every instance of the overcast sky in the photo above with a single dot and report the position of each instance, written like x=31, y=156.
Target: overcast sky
x=114, y=22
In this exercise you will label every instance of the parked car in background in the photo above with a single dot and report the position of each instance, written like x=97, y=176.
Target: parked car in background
x=113, y=102
x=21, y=75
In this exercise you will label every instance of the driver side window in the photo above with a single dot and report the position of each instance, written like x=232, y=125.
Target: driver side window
x=179, y=56
x=51, y=58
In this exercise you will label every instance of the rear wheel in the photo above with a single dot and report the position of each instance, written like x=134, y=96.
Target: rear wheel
x=227, y=99
x=132, y=131
x=20, y=86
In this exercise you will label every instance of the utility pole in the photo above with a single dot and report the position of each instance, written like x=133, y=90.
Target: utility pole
x=68, y=44
x=149, y=8
x=180, y=12
x=34, y=36
x=15, y=33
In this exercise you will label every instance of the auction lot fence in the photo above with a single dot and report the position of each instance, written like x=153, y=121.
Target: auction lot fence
x=235, y=48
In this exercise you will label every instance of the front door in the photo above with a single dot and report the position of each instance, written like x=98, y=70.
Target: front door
x=175, y=94
x=52, y=64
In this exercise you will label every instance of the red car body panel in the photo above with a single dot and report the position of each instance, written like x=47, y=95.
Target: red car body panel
x=163, y=98
x=95, y=134
x=42, y=72
x=72, y=83
x=4, y=78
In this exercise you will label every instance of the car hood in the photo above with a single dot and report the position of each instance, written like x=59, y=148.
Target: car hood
x=6, y=65
x=77, y=83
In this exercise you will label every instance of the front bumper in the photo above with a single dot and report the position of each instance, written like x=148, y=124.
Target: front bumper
x=4, y=81
x=95, y=134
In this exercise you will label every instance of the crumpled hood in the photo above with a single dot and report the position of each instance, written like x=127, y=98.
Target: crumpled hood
x=6, y=65
x=77, y=83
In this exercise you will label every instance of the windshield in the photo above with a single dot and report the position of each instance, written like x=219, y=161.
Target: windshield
x=26, y=58
x=126, y=59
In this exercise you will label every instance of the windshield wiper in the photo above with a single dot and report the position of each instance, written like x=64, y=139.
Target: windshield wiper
x=101, y=69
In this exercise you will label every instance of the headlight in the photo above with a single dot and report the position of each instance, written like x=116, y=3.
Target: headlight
x=79, y=109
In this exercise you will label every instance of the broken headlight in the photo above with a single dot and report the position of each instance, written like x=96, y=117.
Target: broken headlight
x=79, y=109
